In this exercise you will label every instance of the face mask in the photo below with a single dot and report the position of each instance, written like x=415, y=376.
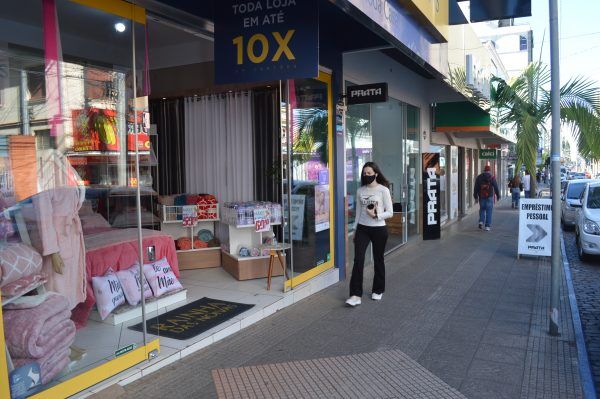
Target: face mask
x=367, y=179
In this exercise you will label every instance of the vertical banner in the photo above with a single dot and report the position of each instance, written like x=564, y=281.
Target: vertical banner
x=266, y=40
x=431, y=196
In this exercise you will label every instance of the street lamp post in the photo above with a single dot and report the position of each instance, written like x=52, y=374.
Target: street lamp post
x=555, y=164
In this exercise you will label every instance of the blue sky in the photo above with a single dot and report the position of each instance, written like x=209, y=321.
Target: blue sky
x=579, y=31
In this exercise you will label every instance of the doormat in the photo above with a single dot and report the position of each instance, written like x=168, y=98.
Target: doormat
x=193, y=319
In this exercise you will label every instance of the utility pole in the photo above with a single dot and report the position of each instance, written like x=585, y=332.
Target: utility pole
x=555, y=164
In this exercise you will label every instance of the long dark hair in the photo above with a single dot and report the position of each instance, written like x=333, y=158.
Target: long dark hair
x=380, y=177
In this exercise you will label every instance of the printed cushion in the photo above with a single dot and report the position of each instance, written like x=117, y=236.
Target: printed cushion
x=108, y=292
x=18, y=260
x=130, y=281
x=161, y=277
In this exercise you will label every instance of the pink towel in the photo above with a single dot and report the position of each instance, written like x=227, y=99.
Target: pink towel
x=50, y=365
x=35, y=332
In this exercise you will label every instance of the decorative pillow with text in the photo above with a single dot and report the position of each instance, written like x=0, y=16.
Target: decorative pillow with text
x=161, y=277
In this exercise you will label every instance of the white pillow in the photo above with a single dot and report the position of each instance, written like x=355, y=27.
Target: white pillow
x=130, y=281
x=161, y=277
x=108, y=292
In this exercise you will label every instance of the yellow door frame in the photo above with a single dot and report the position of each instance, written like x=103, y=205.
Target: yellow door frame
x=301, y=278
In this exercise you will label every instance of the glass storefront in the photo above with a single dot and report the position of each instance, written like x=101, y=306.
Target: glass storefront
x=307, y=153
x=75, y=163
x=387, y=134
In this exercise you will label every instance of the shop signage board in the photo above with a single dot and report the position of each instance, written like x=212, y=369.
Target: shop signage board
x=367, y=94
x=266, y=40
x=489, y=153
x=393, y=18
x=535, y=227
x=431, y=195
x=492, y=10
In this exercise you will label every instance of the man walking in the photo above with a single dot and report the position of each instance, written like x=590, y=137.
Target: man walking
x=527, y=184
x=485, y=188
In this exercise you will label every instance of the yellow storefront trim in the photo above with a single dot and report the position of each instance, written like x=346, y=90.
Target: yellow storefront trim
x=294, y=281
x=315, y=271
x=117, y=7
x=111, y=368
x=4, y=388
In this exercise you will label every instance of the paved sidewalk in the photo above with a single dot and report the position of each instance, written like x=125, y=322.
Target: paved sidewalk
x=463, y=307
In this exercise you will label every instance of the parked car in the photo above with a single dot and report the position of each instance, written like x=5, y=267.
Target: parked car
x=570, y=201
x=587, y=229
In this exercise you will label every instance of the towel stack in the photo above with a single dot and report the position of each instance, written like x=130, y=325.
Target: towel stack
x=40, y=332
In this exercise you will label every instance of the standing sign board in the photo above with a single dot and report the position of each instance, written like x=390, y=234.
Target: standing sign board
x=535, y=227
x=431, y=196
x=266, y=40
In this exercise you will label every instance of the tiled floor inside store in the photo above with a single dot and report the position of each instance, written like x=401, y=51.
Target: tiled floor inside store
x=101, y=340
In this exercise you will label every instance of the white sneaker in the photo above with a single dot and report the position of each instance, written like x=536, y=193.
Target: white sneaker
x=376, y=297
x=487, y=228
x=353, y=301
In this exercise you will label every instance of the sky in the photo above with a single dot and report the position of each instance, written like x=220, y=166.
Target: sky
x=579, y=32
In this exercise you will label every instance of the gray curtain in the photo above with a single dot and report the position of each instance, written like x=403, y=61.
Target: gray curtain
x=267, y=145
x=168, y=116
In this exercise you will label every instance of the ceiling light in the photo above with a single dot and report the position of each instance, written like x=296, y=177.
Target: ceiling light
x=120, y=27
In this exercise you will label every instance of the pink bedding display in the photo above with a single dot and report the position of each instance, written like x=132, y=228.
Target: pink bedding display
x=35, y=332
x=118, y=249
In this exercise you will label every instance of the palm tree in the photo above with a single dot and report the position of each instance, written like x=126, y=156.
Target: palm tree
x=525, y=104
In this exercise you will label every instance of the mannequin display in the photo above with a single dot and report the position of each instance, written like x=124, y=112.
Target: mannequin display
x=59, y=240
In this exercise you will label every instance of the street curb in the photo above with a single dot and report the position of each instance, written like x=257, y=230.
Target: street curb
x=585, y=372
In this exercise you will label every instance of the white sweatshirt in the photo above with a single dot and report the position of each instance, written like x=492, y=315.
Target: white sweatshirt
x=380, y=196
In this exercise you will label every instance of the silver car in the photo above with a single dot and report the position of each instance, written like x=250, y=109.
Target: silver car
x=570, y=201
x=587, y=229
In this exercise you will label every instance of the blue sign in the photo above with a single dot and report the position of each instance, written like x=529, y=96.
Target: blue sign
x=24, y=379
x=266, y=40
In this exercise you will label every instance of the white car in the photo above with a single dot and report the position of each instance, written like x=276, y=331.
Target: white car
x=570, y=201
x=587, y=229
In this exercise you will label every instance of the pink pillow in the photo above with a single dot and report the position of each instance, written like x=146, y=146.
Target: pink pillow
x=130, y=281
x=161, y=277
x=108, y=292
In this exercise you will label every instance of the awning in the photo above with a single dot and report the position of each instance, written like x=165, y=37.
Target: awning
x=465, y=120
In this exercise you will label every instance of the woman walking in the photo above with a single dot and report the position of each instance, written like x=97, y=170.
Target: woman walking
x=373, y=206
x=516, y=187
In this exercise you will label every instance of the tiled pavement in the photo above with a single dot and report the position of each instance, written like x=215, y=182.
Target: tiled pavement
x=586, y=281
x=464, y=307
x=383, y=374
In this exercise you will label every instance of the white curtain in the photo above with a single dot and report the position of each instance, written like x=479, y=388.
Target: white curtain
x=219, y=146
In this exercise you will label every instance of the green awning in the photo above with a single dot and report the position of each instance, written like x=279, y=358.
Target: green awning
x=461, y=116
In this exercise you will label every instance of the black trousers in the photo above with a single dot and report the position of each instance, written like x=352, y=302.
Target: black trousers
x=378, y=236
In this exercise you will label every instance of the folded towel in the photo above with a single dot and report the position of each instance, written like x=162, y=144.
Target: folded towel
x=34, y=332
x=50, y=365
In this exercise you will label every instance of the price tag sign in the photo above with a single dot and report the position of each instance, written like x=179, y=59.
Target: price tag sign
x=266, y=40
x=189, y=215
x=262, y=220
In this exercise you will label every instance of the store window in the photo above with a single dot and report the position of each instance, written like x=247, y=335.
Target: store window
x=307, y=155
x=68, y=177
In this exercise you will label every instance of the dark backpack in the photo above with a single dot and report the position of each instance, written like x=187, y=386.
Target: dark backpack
x=485, y=187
